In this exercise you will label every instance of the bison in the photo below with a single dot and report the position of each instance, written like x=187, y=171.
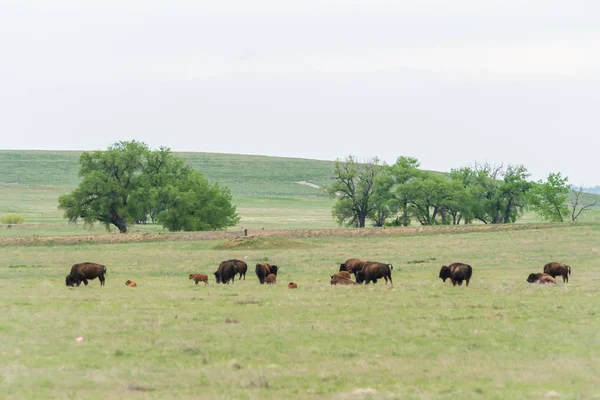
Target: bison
x=352, y=265
x=225, y=272
x=457, y=272
x=540, y=278
x=372, y=271
x=271, y=279
x=555, y=269
x=345, y=274
x=340, y=280
x=241, y=267
x=263, y=269
x=199, y=278
x=292, y=285
x=81, y=272
x=130, y=283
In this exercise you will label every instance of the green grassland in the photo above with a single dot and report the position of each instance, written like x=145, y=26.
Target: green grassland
x=500, y=338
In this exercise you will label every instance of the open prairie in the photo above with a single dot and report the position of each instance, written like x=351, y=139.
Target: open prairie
x=168, y=338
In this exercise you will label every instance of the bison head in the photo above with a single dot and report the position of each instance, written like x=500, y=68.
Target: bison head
x=127, y=282
x=444, y=273
x=343, y=267
x=191, y=276
x=274, y=269
x=70, y=281
x=532, y=278
x=217, y=276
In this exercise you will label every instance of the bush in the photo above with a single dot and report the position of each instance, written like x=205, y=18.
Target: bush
x=13, y=219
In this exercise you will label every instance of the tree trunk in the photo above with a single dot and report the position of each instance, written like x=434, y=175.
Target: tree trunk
x=119, y=223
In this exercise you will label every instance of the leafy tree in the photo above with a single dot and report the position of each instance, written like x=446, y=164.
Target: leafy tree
x=403, y=171
x=354, y=187
x=128, y=181
x=549, y=199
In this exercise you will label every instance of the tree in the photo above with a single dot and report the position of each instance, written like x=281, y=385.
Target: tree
x=549, y=199
x=403, y=171
x=578, y=204
x=353, y=187
x=129, y=182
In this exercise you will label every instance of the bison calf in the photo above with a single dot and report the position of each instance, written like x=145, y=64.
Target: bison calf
x=81, y=272
x=540, y=278
x=555, y=269
x=130, y=283
x=345, y=274
x=292, y=285
x=271, y=279
x=199, y=278
x=457, y=272
x=340, y=280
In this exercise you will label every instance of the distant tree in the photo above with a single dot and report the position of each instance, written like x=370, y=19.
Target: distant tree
x=354, y=187
x=128, y=181
x=549, y=199
x=496, y=195
x=403, y=171
x=578, y=203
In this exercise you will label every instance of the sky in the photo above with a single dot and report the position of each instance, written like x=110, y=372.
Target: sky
x=450, y=83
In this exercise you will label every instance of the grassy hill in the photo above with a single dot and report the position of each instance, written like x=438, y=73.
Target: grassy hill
x=265, y=190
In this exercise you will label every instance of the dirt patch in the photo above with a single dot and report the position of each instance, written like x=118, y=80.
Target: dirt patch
x=235, y=239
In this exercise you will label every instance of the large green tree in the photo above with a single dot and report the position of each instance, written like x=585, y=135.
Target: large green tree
x=129, y=182
x=354, y=187
x=549, y=199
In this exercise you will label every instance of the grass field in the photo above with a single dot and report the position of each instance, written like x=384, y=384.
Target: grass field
x=500, y=338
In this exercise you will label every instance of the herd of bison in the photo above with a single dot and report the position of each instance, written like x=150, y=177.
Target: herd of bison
x=363, y=271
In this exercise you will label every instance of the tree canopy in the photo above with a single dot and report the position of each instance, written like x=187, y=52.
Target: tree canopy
x=130, y=183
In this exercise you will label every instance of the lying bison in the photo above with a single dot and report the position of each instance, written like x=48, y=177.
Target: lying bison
x=130, y=283
x=263, y=269
x=225, y=272
x=555, y=269
x=371, y=271
x=292, y=285
x=81, y=272
x=352, y=265
x=345, y=274
x=540, y=278
x=457, y=272
x=199, y=278
x=340, y=280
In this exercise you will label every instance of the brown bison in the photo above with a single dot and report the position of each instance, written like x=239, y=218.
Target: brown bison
x=241, y=267
x=345, y=274
x=263, y=269
x=292, y=285
x=225, y=272
x=130, y=283
x=81, y=272
x=199, y=278
x=271, y=279
x=540, y=278
x=371, y=271
x=352, y=265
x=555, y=269
x=340, y=280
x=457, y=272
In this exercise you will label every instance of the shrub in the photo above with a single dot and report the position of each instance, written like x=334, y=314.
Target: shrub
x=13, y=219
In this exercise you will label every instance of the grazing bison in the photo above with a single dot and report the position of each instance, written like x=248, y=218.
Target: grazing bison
x=292, y=285
x=345, y=274
x=372, y=271
x=81, y=272
x=340, y=280
x=271, y=279
x=199, y=278
x=457, y=272
x=540, y=278
x=263, y=269
x=555, y=269
x=352, y=265
x=130, y=283
x=241, y=267
x=226, y=272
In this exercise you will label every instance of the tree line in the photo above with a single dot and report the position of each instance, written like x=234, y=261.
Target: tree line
x=400, y=194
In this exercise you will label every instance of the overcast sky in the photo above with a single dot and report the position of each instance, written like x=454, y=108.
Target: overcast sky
x=450, y=82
